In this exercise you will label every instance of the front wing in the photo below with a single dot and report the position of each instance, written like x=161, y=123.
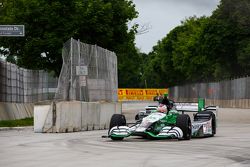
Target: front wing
x=125, y=131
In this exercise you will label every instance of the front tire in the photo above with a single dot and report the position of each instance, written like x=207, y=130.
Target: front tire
x=183, y=121
x=117, y=120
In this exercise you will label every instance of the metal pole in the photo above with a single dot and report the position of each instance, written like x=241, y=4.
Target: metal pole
x=71, y=66
x=79, y=64
x=97, y=70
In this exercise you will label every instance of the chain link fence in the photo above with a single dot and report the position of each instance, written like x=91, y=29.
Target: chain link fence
x=223, y=90
x=89, y=73
x=19, y=85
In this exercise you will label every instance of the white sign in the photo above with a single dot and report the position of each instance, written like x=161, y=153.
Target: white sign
x=81, y=70
x=82, y=80
x=12, y=30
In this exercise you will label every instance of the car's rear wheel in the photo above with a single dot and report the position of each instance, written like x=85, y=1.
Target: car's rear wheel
x=137, y=117
x=183, y=121
x=205, y=116
x=117, y=120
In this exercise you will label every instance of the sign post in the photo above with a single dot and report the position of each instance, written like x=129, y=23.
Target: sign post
x=12, y=30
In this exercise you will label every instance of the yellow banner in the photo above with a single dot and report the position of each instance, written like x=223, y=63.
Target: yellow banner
x=139, y=94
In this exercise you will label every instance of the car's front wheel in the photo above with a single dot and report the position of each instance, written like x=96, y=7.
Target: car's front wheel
x=183, y=121
x=117, y=120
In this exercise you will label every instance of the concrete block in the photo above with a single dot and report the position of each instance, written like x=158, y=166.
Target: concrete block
x=20, y=112
x=74, y=116
x=84, y=115
x=93, y=116
x=11, y=111
x=3, y=114
x=29, y=109
x=68, y=116
x=107, y=110
x=40, y=116
x=118, y=108
x=48, y=124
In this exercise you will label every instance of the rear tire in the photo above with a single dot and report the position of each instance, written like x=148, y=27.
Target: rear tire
x=137, y=117
x=212, y=115
x=117, y=120
x=183, y=121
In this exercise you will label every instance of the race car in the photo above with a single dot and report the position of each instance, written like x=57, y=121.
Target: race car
x=171, y=124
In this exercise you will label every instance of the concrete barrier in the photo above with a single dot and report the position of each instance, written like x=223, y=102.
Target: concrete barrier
x=3, y=113
x=12, y=111
x=74, y=116
x=68, y=117
x=106, y=112
x=84, y=116
x=40, y=115
x=93, y=116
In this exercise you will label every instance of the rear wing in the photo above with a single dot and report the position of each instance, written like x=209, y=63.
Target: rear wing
x=193, y=107
x=186, y=107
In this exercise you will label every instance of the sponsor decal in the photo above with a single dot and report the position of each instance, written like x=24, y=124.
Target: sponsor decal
x=151, y=92
x=120, y=92
x=139, y=94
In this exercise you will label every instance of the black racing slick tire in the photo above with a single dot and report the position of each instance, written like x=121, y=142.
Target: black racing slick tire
x=199, y=117
x=183, y=121
x=117, y=120
x=137, y=117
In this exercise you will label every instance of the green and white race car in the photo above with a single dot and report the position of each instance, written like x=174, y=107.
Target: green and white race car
x=172, y=124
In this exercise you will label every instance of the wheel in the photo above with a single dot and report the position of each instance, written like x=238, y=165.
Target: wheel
x=207, y=115
x=183, y=121
x=137, y=117
x=117, y=120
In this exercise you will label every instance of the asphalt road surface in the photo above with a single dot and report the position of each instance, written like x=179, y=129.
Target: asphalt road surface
x=24, y=148
x=230, y=147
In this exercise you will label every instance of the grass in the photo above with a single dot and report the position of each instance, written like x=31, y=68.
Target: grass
x=16, y=123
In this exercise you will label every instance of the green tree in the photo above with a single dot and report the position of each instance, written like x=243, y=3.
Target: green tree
x=226, y=38
x=205, y=48
x=186, y=49
x=48, y=24
x=176, y=58
x=218, y=45
x=243, y=55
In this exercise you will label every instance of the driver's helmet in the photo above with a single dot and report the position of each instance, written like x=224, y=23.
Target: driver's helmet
x=162, y=108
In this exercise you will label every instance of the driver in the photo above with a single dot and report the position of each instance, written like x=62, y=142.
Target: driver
x=165, y=102
x=162, y=108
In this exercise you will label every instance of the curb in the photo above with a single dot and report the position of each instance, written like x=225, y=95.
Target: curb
x=16, y=128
